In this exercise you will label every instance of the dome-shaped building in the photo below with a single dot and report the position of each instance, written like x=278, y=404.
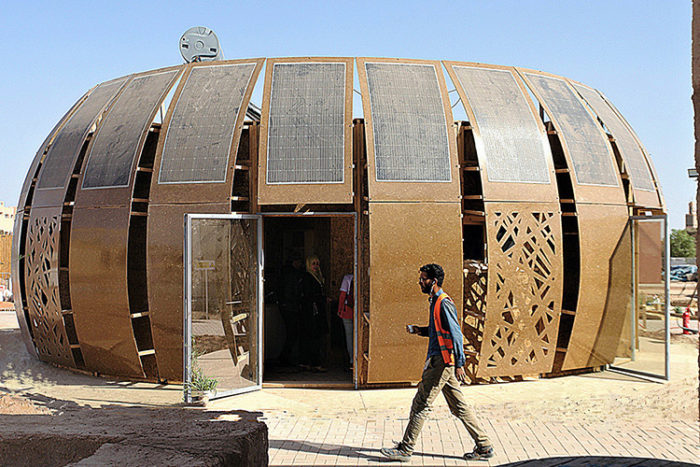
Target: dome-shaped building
x=159, y=217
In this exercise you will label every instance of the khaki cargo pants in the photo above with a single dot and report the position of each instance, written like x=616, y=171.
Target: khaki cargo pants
x=439, y=377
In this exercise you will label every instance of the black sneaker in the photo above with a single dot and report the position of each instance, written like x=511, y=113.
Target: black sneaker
x=479, y=453
x=396, y=453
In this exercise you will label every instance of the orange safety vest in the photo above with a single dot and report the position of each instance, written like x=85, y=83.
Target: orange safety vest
x=444, y=337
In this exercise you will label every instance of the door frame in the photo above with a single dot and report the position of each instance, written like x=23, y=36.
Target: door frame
x=187, y=298
x=633, y=221
x=353, y=215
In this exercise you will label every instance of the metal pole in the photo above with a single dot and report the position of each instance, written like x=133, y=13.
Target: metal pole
x=206, y=294
x=633, y=314
x=356, y=321
x=187, y=348
x=667, y=304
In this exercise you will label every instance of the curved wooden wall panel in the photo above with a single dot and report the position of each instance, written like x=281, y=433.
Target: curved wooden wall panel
x=306, y=127
x=166, y=233
x=19, y=235
x=641, y=182
x=219, y=88
x=428, y=233
x=601, y=228
x=409, y=158
x=100, y=227
x=589, y=155
x=511, y=141
x=523, y=304
x=41, y=282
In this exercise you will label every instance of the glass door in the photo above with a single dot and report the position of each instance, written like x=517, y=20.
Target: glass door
x=223, y=300
x=644, y=346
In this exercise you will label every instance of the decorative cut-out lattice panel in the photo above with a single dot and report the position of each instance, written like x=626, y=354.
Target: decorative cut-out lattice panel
x=43, y=300
x=475, y=288
x=524, y=289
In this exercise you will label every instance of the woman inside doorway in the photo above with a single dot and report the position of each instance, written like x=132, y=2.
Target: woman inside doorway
x=314, y=320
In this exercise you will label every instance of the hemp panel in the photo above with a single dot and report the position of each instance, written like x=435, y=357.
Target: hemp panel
x=60, y=159
x=165, y=272
x=397, y=252
x=640, y=177
x=118, y=142
x=600, y=230
x=588, y=149
x=42, y=285
x=525, y=282
x=99, y=291
x=513, y=146
x=202, y=128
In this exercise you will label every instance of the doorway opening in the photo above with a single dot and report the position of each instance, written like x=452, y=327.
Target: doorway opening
x=305, y=341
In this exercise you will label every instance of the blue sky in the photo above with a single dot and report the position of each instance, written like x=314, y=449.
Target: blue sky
x=636, y=52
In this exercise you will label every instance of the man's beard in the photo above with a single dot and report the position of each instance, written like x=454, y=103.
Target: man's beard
x=426, y=288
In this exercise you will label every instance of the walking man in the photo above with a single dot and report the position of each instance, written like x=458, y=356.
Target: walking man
x=442, y=370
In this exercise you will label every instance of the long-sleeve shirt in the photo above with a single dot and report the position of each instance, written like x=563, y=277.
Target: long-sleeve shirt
x=450, y=323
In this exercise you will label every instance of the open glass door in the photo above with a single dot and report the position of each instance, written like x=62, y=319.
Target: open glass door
x=223, y=300
x=644, y=346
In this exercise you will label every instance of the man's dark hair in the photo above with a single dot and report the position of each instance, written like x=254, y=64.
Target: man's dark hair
x=434, y=271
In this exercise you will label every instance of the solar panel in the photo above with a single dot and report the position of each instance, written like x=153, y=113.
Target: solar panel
x=640, y=177
x=305, y=142
x=408, y=123
x=117, y=141
x=588, y=149
x=201, y=130
x=62, y=153
x=514, y=148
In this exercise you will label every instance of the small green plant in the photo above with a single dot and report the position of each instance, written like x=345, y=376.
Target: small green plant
x=199, y=382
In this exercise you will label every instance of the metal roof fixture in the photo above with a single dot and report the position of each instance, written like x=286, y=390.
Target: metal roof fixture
x=200, y=44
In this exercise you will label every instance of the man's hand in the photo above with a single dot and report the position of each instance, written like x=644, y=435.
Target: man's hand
x=460, y=374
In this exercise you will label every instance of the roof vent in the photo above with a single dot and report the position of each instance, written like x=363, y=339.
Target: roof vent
x=200, y=44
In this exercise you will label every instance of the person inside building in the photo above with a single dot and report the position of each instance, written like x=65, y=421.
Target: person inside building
x=345, y=312
x=313, y=323
x=443, y=371
x=290, y=303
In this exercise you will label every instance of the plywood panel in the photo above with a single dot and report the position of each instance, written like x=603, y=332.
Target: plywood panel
x=600, y=230
x=523, y=303
x=99, y=292
x=42, y=285
x=60, y=159
x=306, y=131
x=618, y=305
x=397, y=252
x=411, y=146
x=641, y=182
x=510, y=138
x=119, y=140
x=165, y=240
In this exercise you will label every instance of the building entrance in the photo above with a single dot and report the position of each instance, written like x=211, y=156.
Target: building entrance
x=305, y=341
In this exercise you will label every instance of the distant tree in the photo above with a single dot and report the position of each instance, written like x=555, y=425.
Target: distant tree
x=682, y=244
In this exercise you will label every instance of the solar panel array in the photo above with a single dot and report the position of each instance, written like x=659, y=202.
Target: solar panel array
x=117, y=142
x=62, y=153
x=588, y=149
x=408, y=122
x=640, y=177
x=201, y=130
x=305, y=142
x=514, y=147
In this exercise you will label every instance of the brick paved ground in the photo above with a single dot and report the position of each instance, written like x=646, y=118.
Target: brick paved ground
x=356, y=440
